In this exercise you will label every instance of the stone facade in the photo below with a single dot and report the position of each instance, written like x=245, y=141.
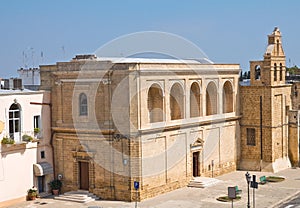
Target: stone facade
x=158, y=122
x=294, y=126
x=294, y=130
x=296, y=96
x=265, y=105
x=161, y=122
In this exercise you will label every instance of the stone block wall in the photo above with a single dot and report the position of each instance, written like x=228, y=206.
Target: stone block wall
x=273, y=144
x=294, y=137
x=109, y=164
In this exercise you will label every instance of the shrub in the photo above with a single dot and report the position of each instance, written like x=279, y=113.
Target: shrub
x=32, y=191
x=227, y=199
x=275, y=178
x=27, y=138
x=36, y=130
x=7, y=140
x=55, y=184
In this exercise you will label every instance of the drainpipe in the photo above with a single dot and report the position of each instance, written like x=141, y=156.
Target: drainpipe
x=261, y=131
x=110, y=72
x=52, y=133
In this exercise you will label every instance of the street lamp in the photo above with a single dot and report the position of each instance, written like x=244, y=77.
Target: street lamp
x=248, y=178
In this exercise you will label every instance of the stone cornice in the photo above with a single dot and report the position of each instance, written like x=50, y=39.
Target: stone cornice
x=145, y=131
x=82, y=131
x=188, y=125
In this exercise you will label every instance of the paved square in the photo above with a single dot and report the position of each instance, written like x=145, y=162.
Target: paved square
x=268, y=195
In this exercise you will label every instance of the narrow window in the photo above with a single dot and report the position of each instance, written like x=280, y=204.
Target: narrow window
x=275, y=72
x=251, y=137
x=37, y=122
x=83, y=105
x=281, y=72
x=257, y=72
x=277, y=44
x=42, y=154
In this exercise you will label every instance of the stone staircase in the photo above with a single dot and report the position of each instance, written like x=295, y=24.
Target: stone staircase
x=44, y=194
x=202, y=182
x=80, y=196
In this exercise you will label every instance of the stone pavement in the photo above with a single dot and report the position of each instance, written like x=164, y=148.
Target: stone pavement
x=268, y=195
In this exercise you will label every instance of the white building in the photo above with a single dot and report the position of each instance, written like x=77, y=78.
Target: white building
x=25, y=163
x=30, y=78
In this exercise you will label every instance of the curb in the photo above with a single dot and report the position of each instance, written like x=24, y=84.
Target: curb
x=281, y=202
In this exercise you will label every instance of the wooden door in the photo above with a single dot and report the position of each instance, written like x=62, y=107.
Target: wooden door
x=41, y=184
x=84, y=175
x=196, y=164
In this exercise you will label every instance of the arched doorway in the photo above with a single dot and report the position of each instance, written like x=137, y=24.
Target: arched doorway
x=196, y=149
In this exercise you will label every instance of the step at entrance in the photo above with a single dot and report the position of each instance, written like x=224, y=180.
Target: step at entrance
x=202, y=182
x=80, y=196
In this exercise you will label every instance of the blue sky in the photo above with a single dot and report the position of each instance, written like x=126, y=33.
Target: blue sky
x=231, y=31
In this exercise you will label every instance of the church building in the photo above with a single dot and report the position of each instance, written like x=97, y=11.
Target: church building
x=158, y=122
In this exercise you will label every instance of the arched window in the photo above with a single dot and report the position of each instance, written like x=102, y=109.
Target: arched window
x=257, y=72
x=211, y=99
x=281, y=72
x=195, y=100
x=155, y=103
x=275, y=72
x=177, y=102
x=15, y=122
x=83, y=105
x=227, y=98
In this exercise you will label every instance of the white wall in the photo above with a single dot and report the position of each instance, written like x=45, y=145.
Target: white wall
x=16, y=161
x=16, y=171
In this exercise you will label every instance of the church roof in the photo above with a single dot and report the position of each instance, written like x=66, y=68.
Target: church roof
x=143, y=60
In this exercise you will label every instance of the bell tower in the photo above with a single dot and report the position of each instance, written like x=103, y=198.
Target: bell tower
x=270, y=71
x=264, y=107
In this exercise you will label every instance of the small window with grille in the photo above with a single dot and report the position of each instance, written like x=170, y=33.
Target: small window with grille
x=251, y=137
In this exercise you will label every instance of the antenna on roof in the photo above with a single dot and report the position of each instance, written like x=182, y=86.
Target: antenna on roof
x=64, y=52
x=42, y=57
x=32, y=56
x=23, y=59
